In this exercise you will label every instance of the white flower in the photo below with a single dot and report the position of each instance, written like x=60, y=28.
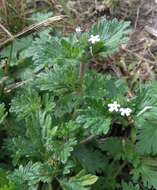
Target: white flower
x=93, y=39
x=125, y=111
x=114, y=107
x=78, y=30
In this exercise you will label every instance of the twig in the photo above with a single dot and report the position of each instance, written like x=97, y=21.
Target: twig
x=120, y=169
x=11, y=87
x=138, y=56
x=150, y=10
x=33, y=27
x=96, y=3
x=137, y=17
x=151, y=31
x=88, y=139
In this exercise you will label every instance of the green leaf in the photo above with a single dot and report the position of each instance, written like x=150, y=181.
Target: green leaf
x=47, y=50
x=3, y=113
x=114, y=146
x=147, y=139
x=8, y=187
x=12, y=51
x=39, y=16
x=79, y=182
x=85, y=180
x=90, y=159
x=43, y=50
x=71, y=47
x=147, y=172
x=60, y=80
x=25, y=176
x=29, y=176
x=115, y=89
x=146, y=98
x=63, y=151
x=3, y=177
x=94, y=89
x=25, y=104
x=95, y=121
x=145, y=120
x=130, y=186
x=112, y=33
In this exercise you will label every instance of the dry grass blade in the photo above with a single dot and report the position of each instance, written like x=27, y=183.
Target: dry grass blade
x=6, y=31
x=138, y=56
x=151, y=31
x=33, y=28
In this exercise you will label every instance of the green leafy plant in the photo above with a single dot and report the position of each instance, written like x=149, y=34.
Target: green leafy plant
x=71, y=128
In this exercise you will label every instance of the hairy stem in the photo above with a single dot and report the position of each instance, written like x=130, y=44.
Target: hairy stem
x=81, y=76
x=82, y=72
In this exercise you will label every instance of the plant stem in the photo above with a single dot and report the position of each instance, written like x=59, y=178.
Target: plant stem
x=120, y=169
x=81, y=76
x=88, y=139
x=82, y=72
x=50, y=186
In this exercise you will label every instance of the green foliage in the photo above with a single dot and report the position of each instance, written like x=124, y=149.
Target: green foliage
x=120, y=149
x=147, y=172
x=29, y=176
x=3, y=178
x=24, y=105
x=148, y=133
x=146, y=120
x=3, y=113
x=43, y=49
x=59, y=131
x=39, y=16
x=12, y=51
x=4, y=183
x=130, y=186
x=87, y=155
x=79, y=182
x=92, y=118
x=112, y=35
x=64, y=80
x=47, y=50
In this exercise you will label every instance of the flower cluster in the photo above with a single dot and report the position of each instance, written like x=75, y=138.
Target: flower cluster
x=117, y=108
